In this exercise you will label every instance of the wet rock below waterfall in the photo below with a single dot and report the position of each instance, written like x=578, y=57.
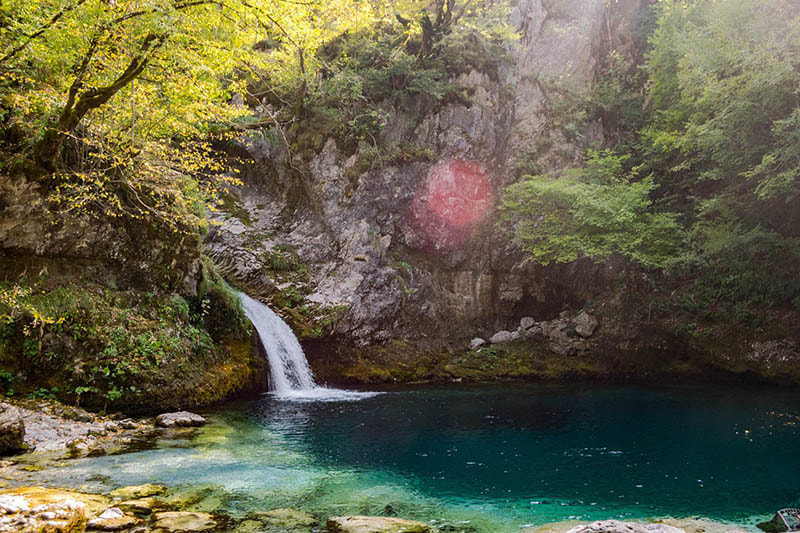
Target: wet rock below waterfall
x=182, y=419
x=375, y=524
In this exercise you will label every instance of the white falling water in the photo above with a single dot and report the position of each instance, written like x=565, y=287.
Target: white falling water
x=290, y=376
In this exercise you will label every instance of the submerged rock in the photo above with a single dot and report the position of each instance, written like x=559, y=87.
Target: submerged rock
x=183, y=419
x=137, y=491
x=12, y=429
x=113, y=519
x=143, y=506
x=527, y=322
x=284, y=520
x=616, y=526
x=180, y=521
x=375, y=524
x=476, y=343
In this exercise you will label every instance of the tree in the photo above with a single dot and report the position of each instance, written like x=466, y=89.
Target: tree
x=595, y=211
x=722, y=140
x=124, y=102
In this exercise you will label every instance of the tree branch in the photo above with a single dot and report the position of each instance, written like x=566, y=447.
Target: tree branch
x=49, y=24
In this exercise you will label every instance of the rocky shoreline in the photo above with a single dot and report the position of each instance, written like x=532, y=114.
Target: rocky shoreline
x=54, y=434
x=151, y=509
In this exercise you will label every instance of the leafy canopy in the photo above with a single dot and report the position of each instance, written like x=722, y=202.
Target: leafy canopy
x=595, y=211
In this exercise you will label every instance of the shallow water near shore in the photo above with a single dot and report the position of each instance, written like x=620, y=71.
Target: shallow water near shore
x=492, y=457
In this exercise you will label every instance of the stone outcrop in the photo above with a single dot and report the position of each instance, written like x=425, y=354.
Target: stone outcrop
x=375, y=524
x=183, y=419
x=12, y=429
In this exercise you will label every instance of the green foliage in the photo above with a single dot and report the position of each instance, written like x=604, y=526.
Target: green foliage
x=594, y=212
x=102, y=345
x=722, y=139
x=218, y=308
x=708, y=180
x=394, y=63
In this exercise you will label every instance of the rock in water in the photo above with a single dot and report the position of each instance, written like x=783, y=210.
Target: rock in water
x=476, y=343
x=585, y=324
x=113, y=519
x=12, y=429
x=615, y=526
x=776, y=525
x=284, y=520
x=527, y=322
x=184, y=521
x=137, y=491
x=183, y=419
x=375, y=524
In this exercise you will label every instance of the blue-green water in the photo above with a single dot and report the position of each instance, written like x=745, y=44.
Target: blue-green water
x=498, y=457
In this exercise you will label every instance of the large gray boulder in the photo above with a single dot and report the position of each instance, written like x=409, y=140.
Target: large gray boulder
x=616, y=526
x=476, y=343
x=182, y=419
x=585, y=324
x=503, y=336
x=12, y=430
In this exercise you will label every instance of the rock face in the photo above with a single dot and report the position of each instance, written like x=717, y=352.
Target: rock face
x=361, y=245
x=12, y=429
x=365, y=245
x=183, y=419
x=375, y=524
x=615, y=526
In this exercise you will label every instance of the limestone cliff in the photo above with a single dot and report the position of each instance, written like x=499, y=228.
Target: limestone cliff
x=333, y=234
x=348, y=249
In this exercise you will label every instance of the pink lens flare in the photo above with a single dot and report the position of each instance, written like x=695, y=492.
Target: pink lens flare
x=454, y=199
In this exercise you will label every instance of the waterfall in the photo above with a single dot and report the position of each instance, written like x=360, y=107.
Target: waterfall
x=290, y=377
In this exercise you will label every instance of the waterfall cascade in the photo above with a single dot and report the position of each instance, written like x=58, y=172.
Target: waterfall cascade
x=289, y=373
